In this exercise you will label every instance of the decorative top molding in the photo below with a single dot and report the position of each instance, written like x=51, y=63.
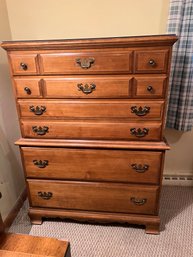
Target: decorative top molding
x=136, y=41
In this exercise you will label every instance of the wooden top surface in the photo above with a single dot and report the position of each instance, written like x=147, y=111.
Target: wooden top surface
x=32, y=246
x=134, y=41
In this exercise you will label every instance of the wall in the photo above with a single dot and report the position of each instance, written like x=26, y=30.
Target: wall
x=179, y=160
x=11, y=175
x=44, y=19
x=48, y=19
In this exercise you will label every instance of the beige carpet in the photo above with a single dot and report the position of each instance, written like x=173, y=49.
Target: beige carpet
x=175, y=239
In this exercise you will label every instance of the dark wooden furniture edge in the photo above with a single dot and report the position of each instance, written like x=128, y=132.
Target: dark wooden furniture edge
x=165, y=39
x=161, y=145
x=18, y=245
x=152, y=223
x=14, y=211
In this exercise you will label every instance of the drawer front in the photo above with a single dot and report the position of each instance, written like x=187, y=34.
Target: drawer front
x=87, y=62
x=149, y=87
x=139, y=110
x=27, y=88
x=152, y=61
x=88, y=87
x=24, y=64
x=144, y=131
x=92, y=164
x=93, y=196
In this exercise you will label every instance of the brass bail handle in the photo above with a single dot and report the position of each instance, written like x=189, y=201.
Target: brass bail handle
x=138, y=132
x=140, y=111
x=85, y=63
x=86, y=89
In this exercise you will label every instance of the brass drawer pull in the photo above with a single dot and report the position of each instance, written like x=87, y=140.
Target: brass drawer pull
x=27, y=90
x=38, y=110
x=85, y=63
x=152, y=62
x=150, y=89
x=141, y=111
x=40, y=130
x=139, y=132
x=40, y=164
x=138, y=201
x=86, y=89
x=45, y=195
x=23, y=66
x=139, y=167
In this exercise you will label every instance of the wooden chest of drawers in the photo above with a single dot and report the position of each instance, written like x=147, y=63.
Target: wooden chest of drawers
x=92, y=115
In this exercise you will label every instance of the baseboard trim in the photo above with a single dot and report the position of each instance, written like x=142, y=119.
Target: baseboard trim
x=178, y=180
x=14, y=211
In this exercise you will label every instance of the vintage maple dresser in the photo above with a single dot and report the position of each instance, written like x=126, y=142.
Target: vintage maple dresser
x=92, y=115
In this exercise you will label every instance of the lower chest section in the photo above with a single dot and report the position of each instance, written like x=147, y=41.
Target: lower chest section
x=102, y=180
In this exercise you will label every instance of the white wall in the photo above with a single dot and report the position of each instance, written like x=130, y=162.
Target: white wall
x=48, y=19
x=11, y=175
x=179, y=160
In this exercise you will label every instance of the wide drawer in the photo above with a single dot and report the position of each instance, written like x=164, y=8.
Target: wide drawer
x=24, y=64
x=87, y=87
x=149, y=87
x=89, y=129
x=92, y=196
x=86, y=62
x=151, y=61
x=28, y=87
x=91, y=109
x=92, y=164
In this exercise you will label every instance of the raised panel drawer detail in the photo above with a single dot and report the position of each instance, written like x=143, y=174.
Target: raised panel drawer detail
x=24, y=64
x=92, y=165
x=92, y=130
x=88, y=87
x=152, y=61
x=85, y=62
x=149, y=87
x=92, y=109
x=90, y=196
x=27, y=87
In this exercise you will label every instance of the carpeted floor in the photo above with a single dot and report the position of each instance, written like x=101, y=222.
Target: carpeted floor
x=175, y=239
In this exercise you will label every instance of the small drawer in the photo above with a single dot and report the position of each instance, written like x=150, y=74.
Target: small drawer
x=87, y=129
x=92, y=164
x=27, y=87
x=88, y=87
x=92, y=196
x=87, y=62
x=149, y=87
x=151, y=61
x=138, y=110
x=24, y=64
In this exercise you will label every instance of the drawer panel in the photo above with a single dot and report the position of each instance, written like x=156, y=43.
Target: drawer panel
x=92, y=164
x=151, y=61
x=93, y=196
x=87, y=62
x=88, y=87
x=24, y=64
x=91, y=130
x=91, y=109
x=27, y=87
x=149, y=87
